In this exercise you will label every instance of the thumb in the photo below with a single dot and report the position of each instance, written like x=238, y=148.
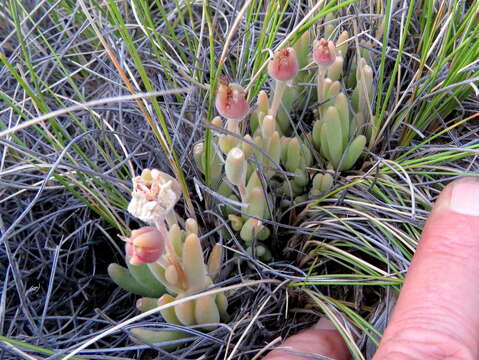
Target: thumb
x=322, y=341
x=436, y=316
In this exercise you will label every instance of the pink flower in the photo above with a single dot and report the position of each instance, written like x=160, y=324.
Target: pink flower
x=145, y=245
x=284, y=65
x=231, y=100
x=324, y=52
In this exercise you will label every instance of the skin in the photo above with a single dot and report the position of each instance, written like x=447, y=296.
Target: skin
x=436, y=316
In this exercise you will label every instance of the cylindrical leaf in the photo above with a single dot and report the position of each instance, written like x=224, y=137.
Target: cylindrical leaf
x=236, y=167
x=194, y=264
x=185, y=312
x=206, y=311
x=268, y=127
x=326, y=183
x=236, y=222
x=250, y=230
x=256, y=202
x=306, y=155
x=284, y=148
x=324, y=141
x=148, y=336
x=353, y=152
x=222, y=304
x=191, y=226
x=317, y=135
x=246, y=146
x=122, y=277
x=226, y=143
x=336, y=69
x=294, y=155
x=171, y=275
x=215, y=260
x=143, y=275
x=334, y=135
x=146, y=303
x=302, y=47
x=254, y=181
x=175, y=236
x=343, y=111
x=168, y=314
x=301, y=178
x=342, y=43
x=199, y=156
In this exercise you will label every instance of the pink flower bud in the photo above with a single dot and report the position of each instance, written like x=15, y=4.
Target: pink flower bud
x=145, y=245
x=324, y=52
x=284, y=65
x=231, y=100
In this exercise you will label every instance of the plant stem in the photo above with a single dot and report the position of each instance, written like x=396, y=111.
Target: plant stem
x=278, y=95
x=321, y=76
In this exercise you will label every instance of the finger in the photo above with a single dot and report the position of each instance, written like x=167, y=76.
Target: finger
x=323, y=339
x=436, y=316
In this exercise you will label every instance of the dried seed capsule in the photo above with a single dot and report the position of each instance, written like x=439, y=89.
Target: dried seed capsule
x=231, y=100
x=284, y=65
x=154, y=195
x=324, y=52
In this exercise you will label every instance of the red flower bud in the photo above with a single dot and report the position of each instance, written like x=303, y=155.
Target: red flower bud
x=231, y=100
x=284, y=65
x=145, y=245
x=324, y=52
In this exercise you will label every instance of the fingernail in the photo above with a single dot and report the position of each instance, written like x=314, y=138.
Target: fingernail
x=465, y=196
x=324, y=324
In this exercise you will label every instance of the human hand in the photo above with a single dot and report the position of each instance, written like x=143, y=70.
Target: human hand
x=437, y=313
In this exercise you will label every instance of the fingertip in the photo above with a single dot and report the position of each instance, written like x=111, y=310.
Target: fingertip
x=460, y=196
x=322, y=339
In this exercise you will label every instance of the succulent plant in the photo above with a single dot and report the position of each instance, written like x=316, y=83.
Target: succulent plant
x=289, y=164
x=164, y=259
x=258, y=169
